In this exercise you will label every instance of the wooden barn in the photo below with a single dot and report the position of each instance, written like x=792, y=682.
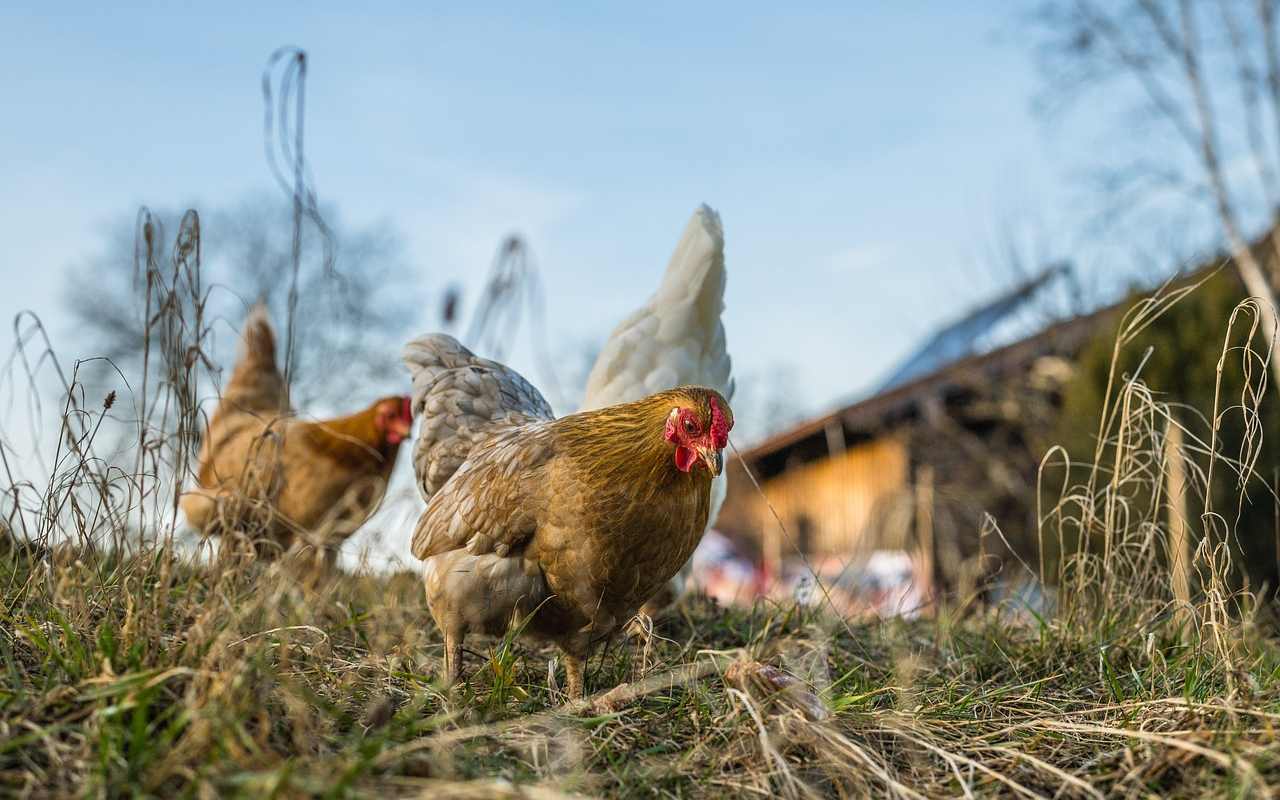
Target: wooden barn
x=950, y=436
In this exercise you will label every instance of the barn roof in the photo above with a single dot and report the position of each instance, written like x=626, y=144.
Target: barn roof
x=899, y=400
x=985, y=328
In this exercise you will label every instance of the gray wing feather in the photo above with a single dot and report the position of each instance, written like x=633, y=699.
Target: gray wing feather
x=462, y=400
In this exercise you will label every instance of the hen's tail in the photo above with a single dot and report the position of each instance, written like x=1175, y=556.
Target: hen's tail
x=696, y=269
x=256, y=383
x=696, y=274
x=258, y=339
x=460, y=397
x=676, y=338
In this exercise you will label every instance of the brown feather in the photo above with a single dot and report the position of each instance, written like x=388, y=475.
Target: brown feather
x=353, y=440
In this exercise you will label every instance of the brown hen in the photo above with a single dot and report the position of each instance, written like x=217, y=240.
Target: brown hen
x=282, y=482
x=564, y=525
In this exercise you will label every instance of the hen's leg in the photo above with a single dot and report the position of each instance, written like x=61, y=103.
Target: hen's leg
x=453, y=657
x=576, y=648
x=331, y=560
x=573, y=667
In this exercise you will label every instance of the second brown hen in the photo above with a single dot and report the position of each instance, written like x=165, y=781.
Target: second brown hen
x=284, y=482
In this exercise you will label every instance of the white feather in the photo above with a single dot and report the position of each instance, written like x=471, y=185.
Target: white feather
x=677, y=338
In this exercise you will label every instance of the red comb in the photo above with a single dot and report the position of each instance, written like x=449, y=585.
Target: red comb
x=406, y=407
x=719, y=426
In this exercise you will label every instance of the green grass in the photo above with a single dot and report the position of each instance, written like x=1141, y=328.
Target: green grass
x=151, y=676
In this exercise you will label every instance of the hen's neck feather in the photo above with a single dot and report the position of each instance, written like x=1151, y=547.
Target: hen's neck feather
x=353, y=439
x=623, y=446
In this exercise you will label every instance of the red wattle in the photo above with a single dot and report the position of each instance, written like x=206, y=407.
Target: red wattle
x=685, y=457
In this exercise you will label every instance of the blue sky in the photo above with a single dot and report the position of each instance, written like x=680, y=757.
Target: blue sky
x=864, y=160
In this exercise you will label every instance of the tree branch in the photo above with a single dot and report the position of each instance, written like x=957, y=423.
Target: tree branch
x=1251, y=272
x=1247, y=77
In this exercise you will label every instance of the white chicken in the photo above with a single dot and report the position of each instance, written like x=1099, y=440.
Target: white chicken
x=675, y=339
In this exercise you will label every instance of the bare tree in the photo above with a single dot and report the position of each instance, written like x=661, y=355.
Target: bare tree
x=1207, y=75
x=349, y=322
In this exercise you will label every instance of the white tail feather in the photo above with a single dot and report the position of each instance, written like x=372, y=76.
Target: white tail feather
x=677, y=338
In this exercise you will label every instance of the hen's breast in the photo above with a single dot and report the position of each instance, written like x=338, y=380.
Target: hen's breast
x=616, y=552
x=325, y=495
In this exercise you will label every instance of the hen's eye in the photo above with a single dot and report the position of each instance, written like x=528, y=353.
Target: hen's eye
x=689, y=426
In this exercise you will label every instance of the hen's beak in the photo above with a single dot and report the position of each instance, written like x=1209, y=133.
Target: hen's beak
x=399, y=430
x=714, y=459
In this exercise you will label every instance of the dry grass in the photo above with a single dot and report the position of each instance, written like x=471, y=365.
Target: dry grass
x=131, y=666
x=149, y=675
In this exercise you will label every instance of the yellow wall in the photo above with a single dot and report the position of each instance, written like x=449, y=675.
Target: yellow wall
x=850, y=501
